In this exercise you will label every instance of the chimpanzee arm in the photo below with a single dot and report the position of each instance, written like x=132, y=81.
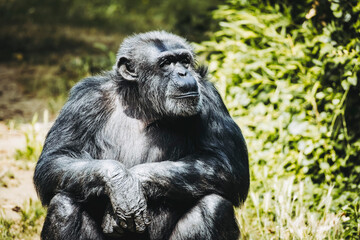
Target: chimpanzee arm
x=195, y=176
x=220, y=166
x=66, y=166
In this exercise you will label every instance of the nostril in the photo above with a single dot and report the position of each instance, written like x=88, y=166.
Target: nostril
x=182, y=74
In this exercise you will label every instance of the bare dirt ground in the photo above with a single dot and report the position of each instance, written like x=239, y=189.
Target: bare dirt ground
x=17, y=192
x=16, y=185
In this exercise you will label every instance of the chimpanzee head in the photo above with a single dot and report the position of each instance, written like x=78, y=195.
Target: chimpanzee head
x=163, y=67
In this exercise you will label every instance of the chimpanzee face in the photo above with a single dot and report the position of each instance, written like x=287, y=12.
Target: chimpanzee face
x=164, y=68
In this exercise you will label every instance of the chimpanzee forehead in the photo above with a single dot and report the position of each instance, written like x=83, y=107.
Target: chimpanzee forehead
x=158, y=48
x=163, y=46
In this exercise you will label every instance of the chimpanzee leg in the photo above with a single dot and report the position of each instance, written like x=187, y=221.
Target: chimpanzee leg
x=212, y=218
x=68, y=220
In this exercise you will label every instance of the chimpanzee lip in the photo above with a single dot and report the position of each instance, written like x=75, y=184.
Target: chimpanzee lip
x=187, y=95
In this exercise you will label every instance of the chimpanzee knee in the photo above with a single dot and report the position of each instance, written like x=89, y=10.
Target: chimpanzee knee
x=212, y=218
x=66, y=219
x=222, y=221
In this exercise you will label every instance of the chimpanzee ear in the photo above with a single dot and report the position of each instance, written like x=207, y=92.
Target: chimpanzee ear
x=126, y=70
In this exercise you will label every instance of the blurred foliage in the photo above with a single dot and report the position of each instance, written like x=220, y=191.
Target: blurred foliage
x=31, y=26
x=115, y=15
x=53, y=44
x=289, y=74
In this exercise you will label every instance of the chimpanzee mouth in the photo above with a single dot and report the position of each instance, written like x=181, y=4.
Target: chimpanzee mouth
x=187, y=95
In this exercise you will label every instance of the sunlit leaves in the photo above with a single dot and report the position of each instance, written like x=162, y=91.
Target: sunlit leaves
x=294, y=91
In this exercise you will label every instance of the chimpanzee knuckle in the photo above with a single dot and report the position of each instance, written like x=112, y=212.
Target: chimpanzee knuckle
x=147, y=218
x=122, y=214
x=113, y=230
x=128, y=214
x=117, y=229
x=140, y=224
x=123, y=224
x=111, y=227
x=141, y=228
x=139, y=221
x=133, y=209
x=113, y=172
x=107, y=225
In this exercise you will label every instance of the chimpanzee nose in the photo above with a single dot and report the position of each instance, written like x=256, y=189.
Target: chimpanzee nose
x=186, y=82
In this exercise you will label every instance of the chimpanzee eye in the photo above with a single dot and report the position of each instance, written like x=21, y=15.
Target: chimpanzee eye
x=185, y=62
x=165, y=62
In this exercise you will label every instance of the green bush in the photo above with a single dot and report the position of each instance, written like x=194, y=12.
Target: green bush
x=291, y=82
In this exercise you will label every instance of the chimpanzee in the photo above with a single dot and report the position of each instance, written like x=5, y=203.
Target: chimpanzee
x=146, y=150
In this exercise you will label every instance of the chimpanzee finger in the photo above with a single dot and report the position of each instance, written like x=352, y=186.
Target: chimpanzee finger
x=123, y=223
x=130, y=224
x=118, y=230
x=139, y=222
x=110, y=227
x=122, y=219
x=146, y=217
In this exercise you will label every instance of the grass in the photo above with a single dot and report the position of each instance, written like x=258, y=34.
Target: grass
x=277, y=207
x=28, y=226
x=34, y=138
x=282, y=212
x=285, y=211
x=27, y=222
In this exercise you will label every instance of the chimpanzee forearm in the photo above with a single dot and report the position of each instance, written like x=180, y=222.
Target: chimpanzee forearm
x=78, y=177
x=191, y=178
x=81, y=178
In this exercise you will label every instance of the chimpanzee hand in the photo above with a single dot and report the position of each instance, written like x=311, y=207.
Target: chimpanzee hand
x=128, y=210
x=111, y=225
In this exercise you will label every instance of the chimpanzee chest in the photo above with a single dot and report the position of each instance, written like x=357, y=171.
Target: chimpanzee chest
x=132, y=143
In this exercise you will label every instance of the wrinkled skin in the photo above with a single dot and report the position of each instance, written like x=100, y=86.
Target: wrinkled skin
x=128, y=208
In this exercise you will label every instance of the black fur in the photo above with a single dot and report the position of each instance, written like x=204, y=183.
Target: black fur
x=135, y=155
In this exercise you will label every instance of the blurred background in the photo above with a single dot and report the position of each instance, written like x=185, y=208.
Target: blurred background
x=288, y=72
